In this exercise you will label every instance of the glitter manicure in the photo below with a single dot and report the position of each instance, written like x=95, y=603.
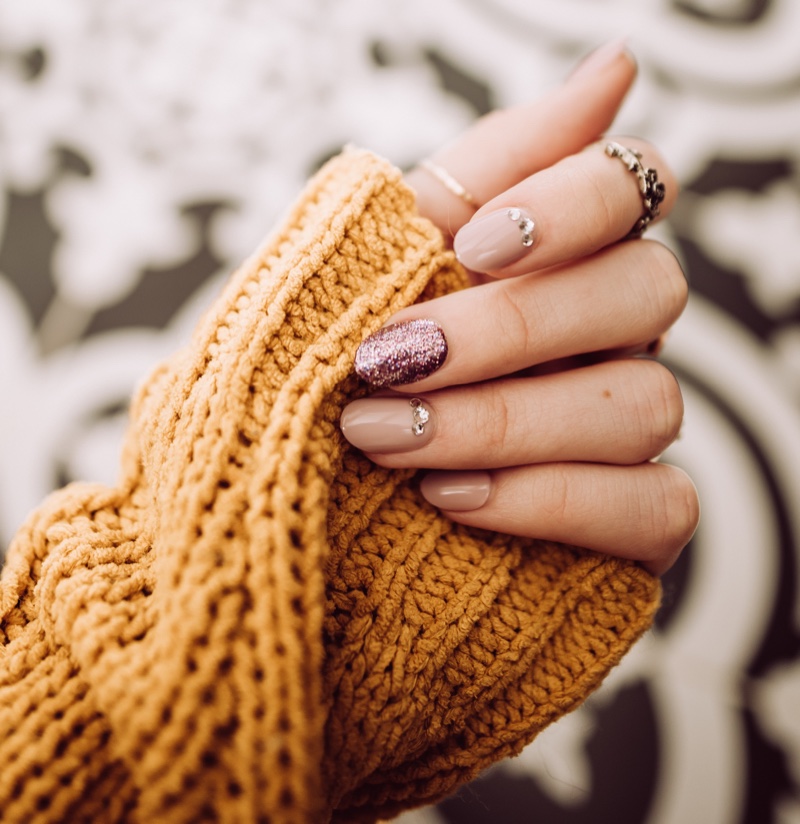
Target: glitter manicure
x=402, y=353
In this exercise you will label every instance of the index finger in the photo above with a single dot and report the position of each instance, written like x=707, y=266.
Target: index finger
x=569, y=210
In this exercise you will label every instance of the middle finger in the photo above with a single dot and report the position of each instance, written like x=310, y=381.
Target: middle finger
x=620, y=297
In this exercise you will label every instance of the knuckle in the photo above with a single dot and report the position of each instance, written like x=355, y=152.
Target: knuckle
x=498, y=425
x=666, y=279
x=650, y=414
x=685, y=508
x=556, y=501
x=515, y=342
x=593, y=199
x=481, y=430
x=676, y=514
x=663, y=409
x=492, y=414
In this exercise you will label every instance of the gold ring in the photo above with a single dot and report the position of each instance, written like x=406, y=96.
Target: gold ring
x=449, y=182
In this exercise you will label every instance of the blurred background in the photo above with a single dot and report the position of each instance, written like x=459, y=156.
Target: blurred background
x=147, y=146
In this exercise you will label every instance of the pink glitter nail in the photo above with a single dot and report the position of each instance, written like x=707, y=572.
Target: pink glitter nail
x=402, y=353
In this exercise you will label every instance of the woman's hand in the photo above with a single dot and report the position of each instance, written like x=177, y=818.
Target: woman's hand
x=525, y=392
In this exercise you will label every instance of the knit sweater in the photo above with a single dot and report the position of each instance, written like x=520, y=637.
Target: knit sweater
x=257, y=624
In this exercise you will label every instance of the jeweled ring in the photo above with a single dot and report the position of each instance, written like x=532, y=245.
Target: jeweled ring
x=651, y=188
x=448, y=181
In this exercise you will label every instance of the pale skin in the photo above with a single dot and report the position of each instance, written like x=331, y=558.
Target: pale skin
x=567, y=439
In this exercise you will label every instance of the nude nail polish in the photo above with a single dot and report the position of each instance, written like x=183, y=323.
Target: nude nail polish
x=495, y=240
x=457, y=491
x=387, y=424
x=402, y=353
x=601, y=57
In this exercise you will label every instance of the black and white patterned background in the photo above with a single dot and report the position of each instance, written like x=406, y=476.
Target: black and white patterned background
x=147, y=145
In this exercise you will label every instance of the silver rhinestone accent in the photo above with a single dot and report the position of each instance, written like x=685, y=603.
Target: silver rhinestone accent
x=420, y=416
x=524, y=224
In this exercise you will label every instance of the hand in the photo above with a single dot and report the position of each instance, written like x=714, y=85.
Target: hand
x=526, y=391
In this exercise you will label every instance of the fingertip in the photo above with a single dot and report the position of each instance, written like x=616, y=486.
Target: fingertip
x=684, y=519
x=690, y=507
x=614, y=53
x=602, y=82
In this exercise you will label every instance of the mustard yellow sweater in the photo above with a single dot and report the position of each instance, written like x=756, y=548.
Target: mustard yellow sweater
x=259, y=625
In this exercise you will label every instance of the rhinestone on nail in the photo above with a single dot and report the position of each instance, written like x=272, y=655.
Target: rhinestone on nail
x=524, y=224
x=420, y=416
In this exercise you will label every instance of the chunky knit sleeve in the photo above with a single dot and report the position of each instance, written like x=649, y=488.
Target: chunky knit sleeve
x=258, y=625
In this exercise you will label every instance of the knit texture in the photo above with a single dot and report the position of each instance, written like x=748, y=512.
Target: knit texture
x=259, y=625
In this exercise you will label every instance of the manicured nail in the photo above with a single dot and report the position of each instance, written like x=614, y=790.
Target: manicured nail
x=402, y=353
x=456, y=491
x=495, y=240
x=387, y=424
x=601, y=57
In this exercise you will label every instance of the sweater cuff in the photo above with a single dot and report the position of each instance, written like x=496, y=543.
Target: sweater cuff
x=259, y=624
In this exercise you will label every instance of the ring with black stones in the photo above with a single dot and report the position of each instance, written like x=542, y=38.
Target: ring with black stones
x=651, y=188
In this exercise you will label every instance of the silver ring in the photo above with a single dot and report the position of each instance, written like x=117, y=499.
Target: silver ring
x=651, y=188
x=448, y=181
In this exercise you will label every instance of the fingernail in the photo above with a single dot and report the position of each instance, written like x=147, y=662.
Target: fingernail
x=601, y=57
x=387, y=424
x=402, y=353
x=457, y=491
x=495, y=240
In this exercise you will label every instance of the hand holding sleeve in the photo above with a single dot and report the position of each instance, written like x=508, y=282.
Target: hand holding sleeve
x=257, y=624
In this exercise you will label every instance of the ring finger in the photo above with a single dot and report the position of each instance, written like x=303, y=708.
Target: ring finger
x=620, y=297
x=620, y=412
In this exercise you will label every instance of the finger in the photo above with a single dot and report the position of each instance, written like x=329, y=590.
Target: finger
x=650, y=349
x=621, y=412
x=509, y=145
x=581, y=204
x=617, y=298
x=646, y=513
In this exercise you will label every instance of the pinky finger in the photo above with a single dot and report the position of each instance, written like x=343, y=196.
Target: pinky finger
x=645, y=513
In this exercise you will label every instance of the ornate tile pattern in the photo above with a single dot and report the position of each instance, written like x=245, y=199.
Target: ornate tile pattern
x=145, y=147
